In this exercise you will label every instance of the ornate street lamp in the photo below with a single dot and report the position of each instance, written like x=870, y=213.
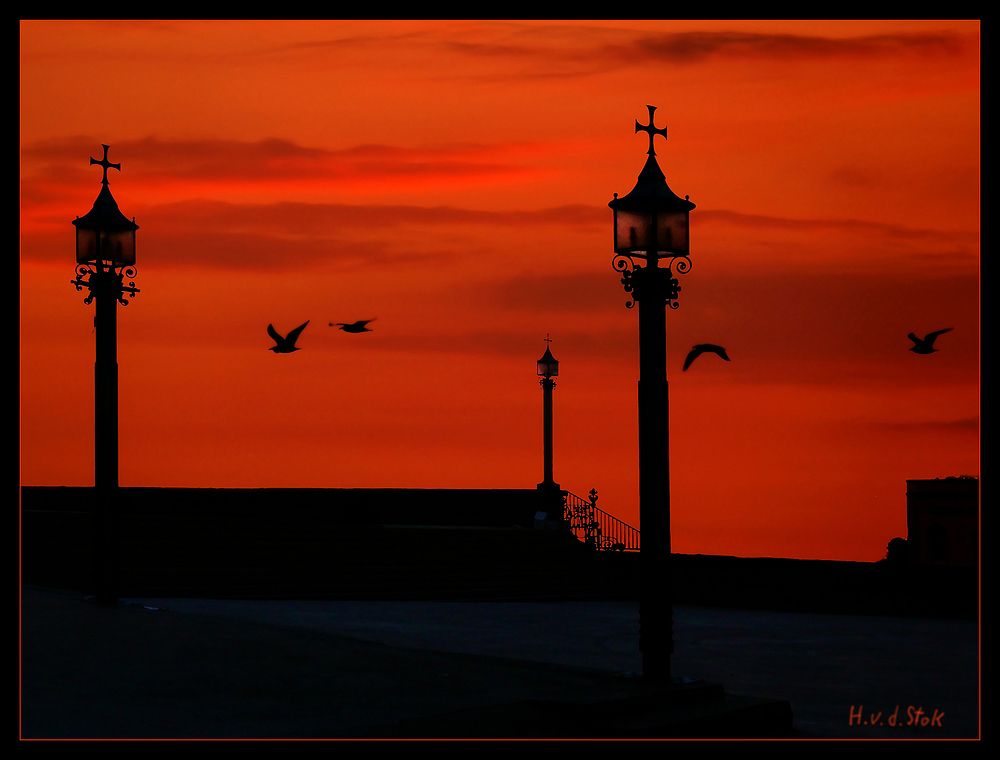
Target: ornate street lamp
x=651, y=224
x=548, y=368
x=105, y=255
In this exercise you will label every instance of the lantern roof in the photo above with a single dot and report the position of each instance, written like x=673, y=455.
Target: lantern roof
x=651, y=193
x=105, y=215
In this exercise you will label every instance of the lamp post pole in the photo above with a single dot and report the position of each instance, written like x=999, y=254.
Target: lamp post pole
x=105, y=380
x=551, y=495
x=107, y=552
x=655, y=597
x=548, y=369
x=651, y=224
x=547, y=385
x=105, y=255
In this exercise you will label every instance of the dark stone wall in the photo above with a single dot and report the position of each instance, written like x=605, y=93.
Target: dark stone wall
x=345, y=506
x=371, y=544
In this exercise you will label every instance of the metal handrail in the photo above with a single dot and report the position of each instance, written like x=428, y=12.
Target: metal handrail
x=597, y=528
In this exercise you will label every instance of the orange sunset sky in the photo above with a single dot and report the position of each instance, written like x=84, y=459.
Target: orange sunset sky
x=451, y=179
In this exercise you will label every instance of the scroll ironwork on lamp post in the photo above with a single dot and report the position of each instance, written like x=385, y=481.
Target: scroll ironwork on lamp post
x=651, y=245
x=105, y=257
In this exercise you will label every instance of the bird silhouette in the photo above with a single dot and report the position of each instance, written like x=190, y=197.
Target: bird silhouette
x=355, y=327
x=926, y=346
x=285, y=345
x=702, y=348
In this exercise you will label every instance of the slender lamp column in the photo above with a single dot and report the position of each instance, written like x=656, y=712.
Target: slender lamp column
x=105, y=254
x=548, y=368
x=651, y=224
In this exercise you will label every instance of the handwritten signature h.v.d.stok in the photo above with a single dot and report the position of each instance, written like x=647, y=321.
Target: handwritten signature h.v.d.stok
x=915, y=716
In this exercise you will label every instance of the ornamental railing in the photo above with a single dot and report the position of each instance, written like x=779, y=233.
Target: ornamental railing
x=596, y=528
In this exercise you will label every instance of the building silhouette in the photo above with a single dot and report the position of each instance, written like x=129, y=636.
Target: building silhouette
x=942, y=520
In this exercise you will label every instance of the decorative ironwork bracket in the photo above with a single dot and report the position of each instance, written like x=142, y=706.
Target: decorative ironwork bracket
x=109, y=281
x=641, y=281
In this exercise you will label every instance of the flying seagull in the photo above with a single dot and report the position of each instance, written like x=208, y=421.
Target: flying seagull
x=702, y=348
x=926, y=346
x=356, y=327
x=285, y=345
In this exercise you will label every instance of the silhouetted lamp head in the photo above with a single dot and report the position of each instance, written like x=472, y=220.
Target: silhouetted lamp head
x=105, y=233
x=651, y=218
x=547, y=365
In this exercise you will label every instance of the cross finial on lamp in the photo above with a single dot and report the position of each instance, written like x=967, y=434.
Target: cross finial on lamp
x=650, y=130
x=108, y=165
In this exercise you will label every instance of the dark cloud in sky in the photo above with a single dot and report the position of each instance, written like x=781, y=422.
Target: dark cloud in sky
x=274, y=158
x=820, y=225
x=590, y=54
x=334, y=218
x=526, y=51
x=634, y=47
x=970, y=426
x=693, y=47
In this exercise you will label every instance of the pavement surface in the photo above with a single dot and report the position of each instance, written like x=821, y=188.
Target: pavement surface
x=191, y=668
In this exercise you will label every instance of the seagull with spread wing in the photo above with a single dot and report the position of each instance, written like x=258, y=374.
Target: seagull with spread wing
x=702, y=348
x=287, y=344
x=355, y=327
x=926, y=346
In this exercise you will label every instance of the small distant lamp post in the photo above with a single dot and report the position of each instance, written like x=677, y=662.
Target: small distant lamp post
x=548, y=368
x=651, y=224
x=105, y=255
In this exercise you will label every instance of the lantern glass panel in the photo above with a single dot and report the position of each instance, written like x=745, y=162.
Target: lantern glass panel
x=115, y=245
x=634, y=231
x=673, y=232
x=548, y=369
x=86, y=245
x=118, y=246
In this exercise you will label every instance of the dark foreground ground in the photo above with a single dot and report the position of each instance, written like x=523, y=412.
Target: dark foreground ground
x=195, y=668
